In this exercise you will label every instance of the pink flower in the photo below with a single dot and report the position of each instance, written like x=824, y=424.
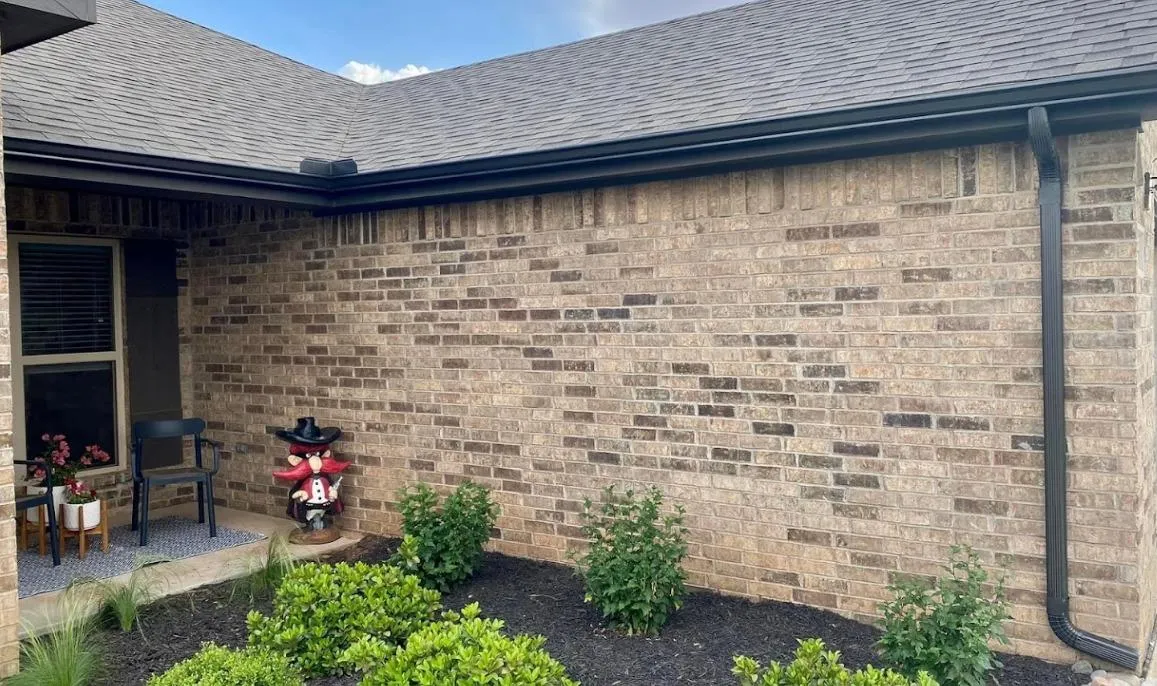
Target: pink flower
x=58, y=438
x=46, y=438
x=86, y=461
x=38, y=473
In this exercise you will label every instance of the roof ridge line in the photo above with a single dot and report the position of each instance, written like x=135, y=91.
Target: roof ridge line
x=599, y=36
x=354, y=112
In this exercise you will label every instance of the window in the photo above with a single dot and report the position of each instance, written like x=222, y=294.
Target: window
x=67, y=358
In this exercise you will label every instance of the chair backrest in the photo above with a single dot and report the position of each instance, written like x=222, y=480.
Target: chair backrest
x=161, y=429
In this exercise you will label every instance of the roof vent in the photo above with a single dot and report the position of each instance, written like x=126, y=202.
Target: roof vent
x=319, y=167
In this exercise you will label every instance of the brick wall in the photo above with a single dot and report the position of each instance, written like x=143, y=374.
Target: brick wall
x=834, y=368
x=1147, y=376
x=9, y=617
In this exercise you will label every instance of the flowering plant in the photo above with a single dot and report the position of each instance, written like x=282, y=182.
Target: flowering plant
x=94, y=455
x=58, y=452
x=80, y=493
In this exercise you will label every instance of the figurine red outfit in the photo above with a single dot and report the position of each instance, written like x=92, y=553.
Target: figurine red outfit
x=314, y=487
x=313, y=500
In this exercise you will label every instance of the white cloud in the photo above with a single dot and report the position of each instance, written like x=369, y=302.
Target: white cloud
x=372, y=73
x=604, y=16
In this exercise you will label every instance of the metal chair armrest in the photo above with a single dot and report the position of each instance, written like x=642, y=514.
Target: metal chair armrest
x=216, y=446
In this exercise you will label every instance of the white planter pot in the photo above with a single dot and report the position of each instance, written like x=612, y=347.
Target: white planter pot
x=57, y=498
x=72, y=515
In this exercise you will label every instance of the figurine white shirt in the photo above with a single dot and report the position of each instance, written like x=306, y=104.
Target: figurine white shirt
x=317, y=494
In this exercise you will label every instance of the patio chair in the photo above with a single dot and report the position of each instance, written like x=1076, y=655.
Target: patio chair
x=144, y=478
x=27, y=502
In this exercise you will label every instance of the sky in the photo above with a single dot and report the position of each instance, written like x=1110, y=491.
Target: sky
x=380, y=40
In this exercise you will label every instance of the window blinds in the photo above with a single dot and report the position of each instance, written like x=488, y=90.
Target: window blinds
x=66, y=298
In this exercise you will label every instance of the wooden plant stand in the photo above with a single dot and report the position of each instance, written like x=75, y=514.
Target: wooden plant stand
x=82, y=536
x=39, y=528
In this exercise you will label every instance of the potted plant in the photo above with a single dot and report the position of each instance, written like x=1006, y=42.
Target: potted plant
x=82, y=508
x=65, y=466
x=57, y=452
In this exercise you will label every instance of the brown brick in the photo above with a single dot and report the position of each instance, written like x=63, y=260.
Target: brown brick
x=926, y=275
x=649, y=420
x=565, y=276
x=810, y=537
x=825, y=371
x=856, y=480
x=638, y=299
x=773, y=428
x=863, y=387
x=974, y=506
x=777, y=339
x=860, y=449
x=958, y=423
x=858, y=293
x=919, y=421
x=604, y=457
x=718, y=382
x=821, y=310
x=731, y=454
x=868, y=512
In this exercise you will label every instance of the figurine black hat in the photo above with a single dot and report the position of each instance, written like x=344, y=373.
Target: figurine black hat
x=307, y=432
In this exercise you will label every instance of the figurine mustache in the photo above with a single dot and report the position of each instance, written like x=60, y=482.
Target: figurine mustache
x=305, y=469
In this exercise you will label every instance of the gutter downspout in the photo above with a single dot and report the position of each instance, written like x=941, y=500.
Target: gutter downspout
x=1055, y=450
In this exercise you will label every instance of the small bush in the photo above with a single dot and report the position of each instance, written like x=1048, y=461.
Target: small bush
x=444, y=545
x=814, y=666
x=464, y=649
x=321, y=610
x=69, y=656
x=944, y=627
x=632, y=567
x=217, y=666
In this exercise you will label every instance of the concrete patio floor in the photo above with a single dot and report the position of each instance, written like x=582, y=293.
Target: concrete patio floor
x=43, y=612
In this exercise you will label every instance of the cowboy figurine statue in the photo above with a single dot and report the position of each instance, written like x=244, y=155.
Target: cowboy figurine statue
x=313, y=500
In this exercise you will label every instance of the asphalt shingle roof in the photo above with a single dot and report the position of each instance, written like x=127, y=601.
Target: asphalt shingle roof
x=145, y=81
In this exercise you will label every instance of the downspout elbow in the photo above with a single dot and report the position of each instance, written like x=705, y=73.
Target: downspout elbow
x=1055, y=449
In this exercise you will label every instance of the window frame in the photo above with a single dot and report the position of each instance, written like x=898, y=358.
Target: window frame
x=116, y=356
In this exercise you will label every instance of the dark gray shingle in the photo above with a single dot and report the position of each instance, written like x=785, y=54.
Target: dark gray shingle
x=143, y=80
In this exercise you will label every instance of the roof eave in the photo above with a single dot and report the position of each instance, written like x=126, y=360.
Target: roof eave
x=55, y=164
x=25, y=22
x=1075, y=106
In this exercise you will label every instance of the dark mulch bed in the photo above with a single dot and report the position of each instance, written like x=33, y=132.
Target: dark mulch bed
x=540, y=598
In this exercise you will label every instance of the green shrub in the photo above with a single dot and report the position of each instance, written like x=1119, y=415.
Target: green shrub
x=944, y=627
x=632, y=567
x=69, y=656
x=443, y=545
x=217, y=666
x=321, y=610
x=466, y=650
x=814, y=666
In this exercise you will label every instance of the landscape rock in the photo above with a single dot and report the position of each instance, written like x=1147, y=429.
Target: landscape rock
x=1082, y=667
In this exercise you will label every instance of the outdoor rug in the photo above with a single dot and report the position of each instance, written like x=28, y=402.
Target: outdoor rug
x=170, y=538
